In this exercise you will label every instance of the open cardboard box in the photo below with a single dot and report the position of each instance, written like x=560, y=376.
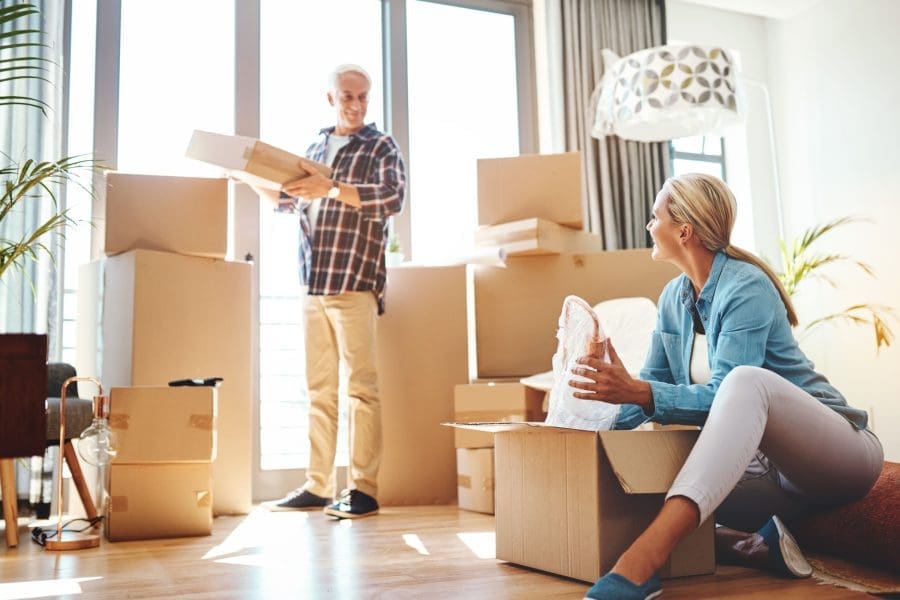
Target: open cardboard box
x=570, y=502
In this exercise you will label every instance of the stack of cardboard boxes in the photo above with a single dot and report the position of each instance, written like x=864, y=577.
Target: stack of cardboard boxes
x=164, y=305
x=567, y=501
x=160, y=483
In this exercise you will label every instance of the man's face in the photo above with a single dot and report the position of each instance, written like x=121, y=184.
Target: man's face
x=350, y=98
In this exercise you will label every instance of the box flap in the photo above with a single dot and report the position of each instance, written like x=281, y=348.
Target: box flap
x=498, y=426
x=646, y=462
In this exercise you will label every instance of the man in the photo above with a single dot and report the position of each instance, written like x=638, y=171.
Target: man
x=343, y=233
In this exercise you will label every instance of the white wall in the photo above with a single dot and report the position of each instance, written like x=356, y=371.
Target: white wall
x=830, y=73
x=835, y=94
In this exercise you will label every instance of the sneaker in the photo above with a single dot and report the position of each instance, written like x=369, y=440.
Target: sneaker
x=613, y=586
x=785, y=556
x=299, y=499
x=352, y=505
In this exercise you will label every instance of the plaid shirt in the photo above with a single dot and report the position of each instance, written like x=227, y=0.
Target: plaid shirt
x=347, y=252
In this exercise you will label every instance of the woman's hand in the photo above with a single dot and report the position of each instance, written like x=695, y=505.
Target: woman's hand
x=610, y=382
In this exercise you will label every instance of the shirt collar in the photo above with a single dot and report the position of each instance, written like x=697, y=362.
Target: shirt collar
x=709, y=288
x=367, y=132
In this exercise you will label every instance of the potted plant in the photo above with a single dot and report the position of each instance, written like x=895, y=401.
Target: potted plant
x=394, y=256
x=28, y=181
x=800, y=262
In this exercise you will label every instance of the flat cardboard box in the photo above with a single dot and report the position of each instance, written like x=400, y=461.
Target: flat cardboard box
x=547, y=186
x=475, y=479
x=517, y=308
x=149, y=501
x=164, y=424
x=165, y=316
x=534, y=237
x=186, y=215
x=570, y=502
x=422, y=353
x=251, y=160
x=493, y=401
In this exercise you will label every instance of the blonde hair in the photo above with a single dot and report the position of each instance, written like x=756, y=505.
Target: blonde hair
x=707, y=204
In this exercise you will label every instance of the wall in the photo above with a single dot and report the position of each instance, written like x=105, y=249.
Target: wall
x=835, y=95
x=828, y=71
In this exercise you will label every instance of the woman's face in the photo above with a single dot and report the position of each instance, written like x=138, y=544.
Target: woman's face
x=664, y=231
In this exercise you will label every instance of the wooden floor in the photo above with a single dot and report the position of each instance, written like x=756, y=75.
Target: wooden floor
x=421, y=552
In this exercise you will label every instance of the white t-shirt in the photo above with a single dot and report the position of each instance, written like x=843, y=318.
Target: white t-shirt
x=700, y=372
x=335, y=143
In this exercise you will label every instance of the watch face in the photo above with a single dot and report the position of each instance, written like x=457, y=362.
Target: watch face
x=334, y=192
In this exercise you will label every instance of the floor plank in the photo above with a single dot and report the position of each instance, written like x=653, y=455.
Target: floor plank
x=404, y=552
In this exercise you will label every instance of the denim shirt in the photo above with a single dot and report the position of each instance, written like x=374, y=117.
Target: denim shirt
x=746, y=324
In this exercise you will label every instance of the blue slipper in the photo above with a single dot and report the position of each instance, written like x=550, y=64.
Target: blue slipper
x=613, y=586
x=785, y=556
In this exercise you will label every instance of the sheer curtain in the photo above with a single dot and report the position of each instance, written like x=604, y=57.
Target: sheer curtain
x=621, y=177
x=26, y=295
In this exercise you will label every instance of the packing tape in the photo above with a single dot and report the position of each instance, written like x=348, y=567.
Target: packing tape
x=204, y=422
x=118, y=504
x=463, y=481
x=119, y=420
x=204, y=498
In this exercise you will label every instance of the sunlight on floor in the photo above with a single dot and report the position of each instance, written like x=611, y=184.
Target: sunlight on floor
x=42, y=589
x=256, y=530
x=413, y=541
x=481, y=543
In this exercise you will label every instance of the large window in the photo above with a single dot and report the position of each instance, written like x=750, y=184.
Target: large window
x=176, y=75
x=293, y=107
x=462, y=106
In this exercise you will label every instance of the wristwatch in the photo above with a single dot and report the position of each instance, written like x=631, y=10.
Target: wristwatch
x=334, y=191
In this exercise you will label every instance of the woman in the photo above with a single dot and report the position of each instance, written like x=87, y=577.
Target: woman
x=777, y=438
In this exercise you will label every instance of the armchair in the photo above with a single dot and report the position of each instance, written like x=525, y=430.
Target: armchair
x=36, y=427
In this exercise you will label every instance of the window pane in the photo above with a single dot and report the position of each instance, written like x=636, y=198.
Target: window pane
x=297, y=54
x=681, y=165
x=176, y=75
x=80, y=142
x=462, y=106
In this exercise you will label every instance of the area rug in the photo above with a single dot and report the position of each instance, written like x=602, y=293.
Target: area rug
x=836, y=571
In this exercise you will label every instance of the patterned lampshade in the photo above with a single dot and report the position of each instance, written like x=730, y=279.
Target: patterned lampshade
x=667, y=92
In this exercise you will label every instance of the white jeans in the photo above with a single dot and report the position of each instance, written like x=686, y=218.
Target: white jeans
x=768, y=447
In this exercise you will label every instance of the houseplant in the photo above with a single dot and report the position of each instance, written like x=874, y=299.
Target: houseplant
x=800, y=262
x=29, y=181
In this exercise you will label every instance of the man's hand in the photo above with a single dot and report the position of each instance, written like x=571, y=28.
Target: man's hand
x=314, y=185
x=610, y=382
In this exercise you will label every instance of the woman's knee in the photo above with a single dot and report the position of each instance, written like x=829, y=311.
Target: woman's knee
x=744, y=384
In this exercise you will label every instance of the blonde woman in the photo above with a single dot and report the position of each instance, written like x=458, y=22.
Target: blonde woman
x=777, y=438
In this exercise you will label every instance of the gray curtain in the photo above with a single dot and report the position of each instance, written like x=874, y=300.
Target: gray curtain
x=621, y=177
x=26, y=296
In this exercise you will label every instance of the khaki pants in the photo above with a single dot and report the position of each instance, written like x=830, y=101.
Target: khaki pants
x=342, y=328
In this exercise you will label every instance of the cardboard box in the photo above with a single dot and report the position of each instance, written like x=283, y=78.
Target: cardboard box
x=164, y=424
x=251, y=160
x=475, y=479
x=570, y=502
x=186, y=215
x=159, y=501
x=517, y=308
x=547, y=186
x=165, y=316
x=422, y=353
x=532, y=237
x=500, y=401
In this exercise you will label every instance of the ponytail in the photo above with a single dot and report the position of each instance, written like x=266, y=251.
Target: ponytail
x=743, y=255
